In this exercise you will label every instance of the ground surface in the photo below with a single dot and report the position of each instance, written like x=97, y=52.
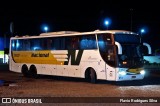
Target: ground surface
x=15, y=85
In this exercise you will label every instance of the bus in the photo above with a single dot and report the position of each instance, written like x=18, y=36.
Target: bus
x=112, y=55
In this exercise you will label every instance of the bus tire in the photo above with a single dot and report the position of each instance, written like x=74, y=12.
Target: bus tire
x=93, y=76
x=33, y=71
x=25, y=71
x=90, y=75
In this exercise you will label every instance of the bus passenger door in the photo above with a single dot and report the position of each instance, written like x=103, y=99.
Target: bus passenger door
x=110, y=73
x=111, y=62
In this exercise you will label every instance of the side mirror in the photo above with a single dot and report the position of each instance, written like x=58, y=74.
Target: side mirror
x=149, y=48
x=119, y=47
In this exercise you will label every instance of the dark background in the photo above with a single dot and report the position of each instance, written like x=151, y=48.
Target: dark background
x=28, y=17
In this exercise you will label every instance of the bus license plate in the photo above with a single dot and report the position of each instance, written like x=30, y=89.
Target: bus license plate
x=133, y=76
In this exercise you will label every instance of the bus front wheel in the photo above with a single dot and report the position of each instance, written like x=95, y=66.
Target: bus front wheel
x=90, y=75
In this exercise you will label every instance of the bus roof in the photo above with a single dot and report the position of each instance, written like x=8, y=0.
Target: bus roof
x=72, y=33
x=63, y=33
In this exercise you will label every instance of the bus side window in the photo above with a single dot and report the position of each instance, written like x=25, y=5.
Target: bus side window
x=26, y=44
x=75, y=43
x=49, y=43
x=53, y=44
x=13, y=45
x=19, y=45
x=42, y=43
x=68, y=43
x=62, y=43
x=88, y=42
x=83, y=43
x=56, y=43
x=92, y=42
x=36, y=44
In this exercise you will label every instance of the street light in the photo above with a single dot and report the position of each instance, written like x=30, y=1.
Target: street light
x=46, y=29
x=107, y=22
x=142, y=31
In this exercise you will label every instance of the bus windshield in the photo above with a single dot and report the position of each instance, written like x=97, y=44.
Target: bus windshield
x=131, y=50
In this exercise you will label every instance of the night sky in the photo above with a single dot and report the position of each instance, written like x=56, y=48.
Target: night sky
x=28, y=17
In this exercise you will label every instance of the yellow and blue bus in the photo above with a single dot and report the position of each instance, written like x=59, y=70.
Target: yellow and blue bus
x=113, y=55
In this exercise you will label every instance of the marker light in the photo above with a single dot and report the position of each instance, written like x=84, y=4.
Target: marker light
x=124, y=62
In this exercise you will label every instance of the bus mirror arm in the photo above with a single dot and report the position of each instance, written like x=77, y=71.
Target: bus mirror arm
x=119, y=47
x=148, y=47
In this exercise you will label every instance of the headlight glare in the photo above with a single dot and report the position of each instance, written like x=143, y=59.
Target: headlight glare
x=142, y=72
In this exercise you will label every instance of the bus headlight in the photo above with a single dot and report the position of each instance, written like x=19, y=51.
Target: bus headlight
x=142, y=72
x=122, y=73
